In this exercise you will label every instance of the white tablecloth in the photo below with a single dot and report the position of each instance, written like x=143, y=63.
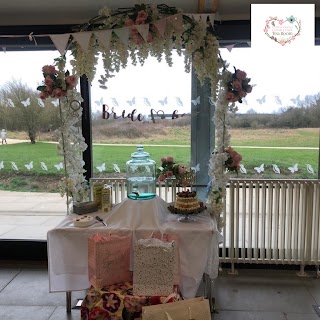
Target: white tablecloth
x=197, y=243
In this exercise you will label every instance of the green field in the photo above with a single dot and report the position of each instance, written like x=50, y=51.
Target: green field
x=23, y=153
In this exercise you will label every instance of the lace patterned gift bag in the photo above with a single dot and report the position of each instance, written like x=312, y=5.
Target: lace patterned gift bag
x=109, y=260
x=154, y=267
x=189, y=309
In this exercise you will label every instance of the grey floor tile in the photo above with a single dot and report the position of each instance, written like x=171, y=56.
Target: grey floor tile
x=61, y=314
x=26, y=312
x=252, y=293
x=7, y=275
x=313, y=286
x=297, y=316
x=248, y=315
x=31, y=288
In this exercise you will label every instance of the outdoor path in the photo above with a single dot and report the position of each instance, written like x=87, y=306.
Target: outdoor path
x=15, y=141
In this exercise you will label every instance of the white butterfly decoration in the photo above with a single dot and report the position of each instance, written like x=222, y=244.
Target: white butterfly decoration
x=131, y=102
x=179, y=101
x=1, y=165
x=55, y=102
x=44, y=166
x=147, y=169
x=99, y=102
x=161, y=168
x=10, y=102
x=115, y=102
x=102, y=167
x=164, y=101
x=196, y=101
x=29, y=166
x=40, y=103
x=14, y=166
x=259, y=169
x=59, y=166
x=278, y=100
x=309, y=168
x=196, y=168
x=243, y=169
x=116, y=168
x=147, y=102
x=294, y=168
x=26, y=102
x=211, y=101
x=275, y=169
x=262, y=100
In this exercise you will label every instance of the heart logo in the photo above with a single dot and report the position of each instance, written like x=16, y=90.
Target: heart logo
x=282, y=31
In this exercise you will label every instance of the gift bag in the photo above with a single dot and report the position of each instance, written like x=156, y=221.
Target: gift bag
x=153, y=267
x=109, y=260
x=190, y=309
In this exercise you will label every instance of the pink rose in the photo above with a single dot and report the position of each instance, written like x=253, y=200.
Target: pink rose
x=128, y=22
x=231, y=97
x=49, y=69
x=57, y=93
x=236, y=84
x=163, y=159
x=241, y=75
x=242, y=93
x=71, y=80
x=162, y=178
x=170, y=159
x=142, y=16
x=169, y=174
x=48, y=81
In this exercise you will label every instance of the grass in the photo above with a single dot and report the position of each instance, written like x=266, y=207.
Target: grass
x=38, y=179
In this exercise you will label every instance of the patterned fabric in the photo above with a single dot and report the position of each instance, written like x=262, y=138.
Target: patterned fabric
x=117, y=302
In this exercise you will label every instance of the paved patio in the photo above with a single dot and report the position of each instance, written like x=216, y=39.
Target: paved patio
x=29, y=215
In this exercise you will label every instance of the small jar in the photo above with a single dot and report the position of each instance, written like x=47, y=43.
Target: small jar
x=141, y=176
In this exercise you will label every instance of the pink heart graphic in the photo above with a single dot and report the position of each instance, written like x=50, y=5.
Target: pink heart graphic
x=282, y=31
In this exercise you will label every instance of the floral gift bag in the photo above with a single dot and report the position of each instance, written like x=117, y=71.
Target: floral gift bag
x=109, y=260
x=189, y=309
x=154, y=267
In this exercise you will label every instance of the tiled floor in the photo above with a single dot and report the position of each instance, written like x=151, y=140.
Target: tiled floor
x=252, y=295
x=24, y=293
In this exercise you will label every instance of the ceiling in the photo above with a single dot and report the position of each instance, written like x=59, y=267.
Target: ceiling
x=62, y=12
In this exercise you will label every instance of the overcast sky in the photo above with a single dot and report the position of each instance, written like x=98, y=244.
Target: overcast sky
x=285, y=76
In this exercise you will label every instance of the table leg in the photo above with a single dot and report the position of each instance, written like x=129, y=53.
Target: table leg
x=208, y=289
x=68, y=301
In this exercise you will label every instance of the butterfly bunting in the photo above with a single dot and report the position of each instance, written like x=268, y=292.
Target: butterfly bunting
x=26, y=102
x=59, y=166
x=196, y=101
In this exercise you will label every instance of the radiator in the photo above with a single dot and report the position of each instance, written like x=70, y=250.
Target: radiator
x=272, y=222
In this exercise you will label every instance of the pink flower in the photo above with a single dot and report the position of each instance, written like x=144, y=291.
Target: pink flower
x=137, y=39
x=162, y=178
x=142, y=16
x=242, y=93
x=48, y=81
x=169, y=174
x=128, y=22
x=49, y=69
x=231, y=97
x=237, y=85
x=281, y=22
x=71, y=80
x=57, y=93
x=241, y=75
x=163, y=159
x=170, y=159
x=70, y=87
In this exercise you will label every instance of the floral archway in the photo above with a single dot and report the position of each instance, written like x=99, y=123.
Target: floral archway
x=136, y=33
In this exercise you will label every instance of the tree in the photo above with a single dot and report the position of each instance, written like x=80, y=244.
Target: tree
x=23, y=110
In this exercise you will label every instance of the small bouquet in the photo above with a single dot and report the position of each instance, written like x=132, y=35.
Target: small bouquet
x=170, y=169
x=238, y=86
x=233, y=161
